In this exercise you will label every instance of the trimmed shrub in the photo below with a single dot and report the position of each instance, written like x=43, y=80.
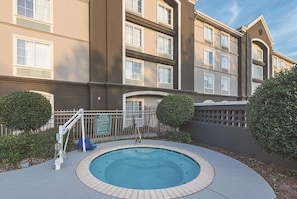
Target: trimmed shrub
x=13, y=149
x=175, y=136
x=272, y=114
x=175, y=110
x=24, y=110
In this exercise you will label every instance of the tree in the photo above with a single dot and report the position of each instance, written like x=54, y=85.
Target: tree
x=24, y=110
x=272, y=114
x=175, y=110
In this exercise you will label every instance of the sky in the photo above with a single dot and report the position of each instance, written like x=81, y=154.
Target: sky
x=280, y=17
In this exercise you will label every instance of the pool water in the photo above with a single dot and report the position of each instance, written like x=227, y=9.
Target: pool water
x=144, y=168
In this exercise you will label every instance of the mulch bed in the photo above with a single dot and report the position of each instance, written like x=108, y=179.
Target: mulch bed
x=282, y=180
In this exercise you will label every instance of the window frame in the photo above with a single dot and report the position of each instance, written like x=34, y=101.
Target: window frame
x=160, y=19
x=206, y=59
x=141, y=30
x=258, y=53
x=256, y=74
x=164, y=53
x=133, y=9
x=207, y=34
x=226, y=47
x=49, y=20
x=282, y=63
x=170, y=68
x=206, y=88
x=132, y=116
x=34, y=67
x=228, y=90
x=141, y=76
x=275, y=61
x=228, y=63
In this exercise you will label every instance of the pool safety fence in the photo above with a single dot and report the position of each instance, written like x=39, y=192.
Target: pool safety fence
x=106, y=125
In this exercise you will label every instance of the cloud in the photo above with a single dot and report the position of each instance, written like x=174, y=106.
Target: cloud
x=229, y=13
x=284, y=33
x=234, y=12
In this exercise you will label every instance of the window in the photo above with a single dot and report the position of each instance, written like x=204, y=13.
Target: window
x=165, y=46
x=134, y=5
x=165, y=14
x=208, y=57
x=208, y=33
x=165, y=74
x=257, y=72
x=208, y=83
x=133, y=35
x=34, y=54
x=254, y=86
x=275, y=61
x=35, y=9
x=257, y=53
x=225, y=85
x=134, y=70
x=134, y=108
x=225, y=41
x=225, y=63
x=282, y=64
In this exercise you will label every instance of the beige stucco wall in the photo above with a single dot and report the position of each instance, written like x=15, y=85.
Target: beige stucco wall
x=150, y=42
x=216, y=70
x=6, y=50
x=6, y=10
x=69, y=40
x=71, y=19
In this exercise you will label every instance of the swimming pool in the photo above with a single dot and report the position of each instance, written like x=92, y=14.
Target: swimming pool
x=144, y=168
x=200, y=182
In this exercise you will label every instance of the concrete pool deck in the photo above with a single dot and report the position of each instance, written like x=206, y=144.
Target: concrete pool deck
x=232, y=178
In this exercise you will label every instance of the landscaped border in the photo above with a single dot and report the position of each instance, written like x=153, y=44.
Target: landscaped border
x=204, y=179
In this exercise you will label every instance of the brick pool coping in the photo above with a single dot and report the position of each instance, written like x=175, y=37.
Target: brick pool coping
x=204, y=179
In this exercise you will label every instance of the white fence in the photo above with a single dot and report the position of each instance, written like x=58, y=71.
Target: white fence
x=118, y=125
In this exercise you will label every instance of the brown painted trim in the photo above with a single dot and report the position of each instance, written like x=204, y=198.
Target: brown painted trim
x=257, y=62
x=151, y=58
x=149, y=24
x=258, y=81
x=39, y=81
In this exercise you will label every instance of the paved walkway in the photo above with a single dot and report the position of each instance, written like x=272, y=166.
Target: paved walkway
x=232, y=179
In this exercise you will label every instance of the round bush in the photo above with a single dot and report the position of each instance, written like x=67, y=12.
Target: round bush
x=272, y=114
x=175, y=110
x=24, y=110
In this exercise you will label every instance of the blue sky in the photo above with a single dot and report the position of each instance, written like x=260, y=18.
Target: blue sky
x=280, y=17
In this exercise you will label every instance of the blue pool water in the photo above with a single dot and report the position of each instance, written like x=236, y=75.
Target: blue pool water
x=144, y=168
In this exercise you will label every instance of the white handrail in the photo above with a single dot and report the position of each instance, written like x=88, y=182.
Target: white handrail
x=63, y=129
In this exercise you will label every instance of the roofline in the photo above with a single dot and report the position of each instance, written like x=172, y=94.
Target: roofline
x=192, y=1
x=281, y=55
x=260, y=18
x=217, y=23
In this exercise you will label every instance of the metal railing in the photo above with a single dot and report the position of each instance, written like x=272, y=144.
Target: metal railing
x=119, y=125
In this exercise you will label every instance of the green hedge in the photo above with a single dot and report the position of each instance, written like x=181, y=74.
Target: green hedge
x=183, y=137
x=272, y=114
x=13, y=149
x=24, y=110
